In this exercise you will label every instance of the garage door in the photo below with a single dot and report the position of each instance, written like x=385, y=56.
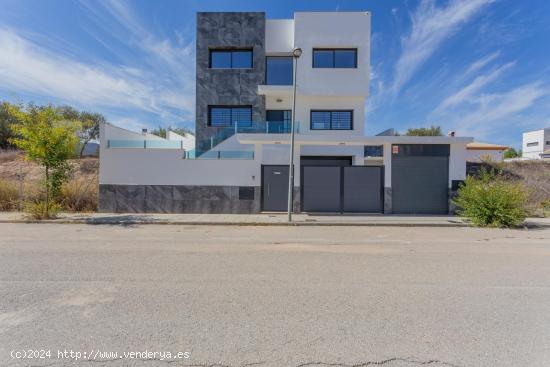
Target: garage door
x=420, y=178
x=363, y=189
x=352, y=189
x=321, y=189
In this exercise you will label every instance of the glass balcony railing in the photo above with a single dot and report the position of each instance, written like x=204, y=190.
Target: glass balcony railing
x=219, y=154
x=144, y=144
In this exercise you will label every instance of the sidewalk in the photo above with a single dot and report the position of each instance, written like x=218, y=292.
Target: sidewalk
x=256, y=219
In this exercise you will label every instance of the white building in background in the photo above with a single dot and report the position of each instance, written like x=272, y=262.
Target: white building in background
x=536, y=144
x=485, y=152
x=244, y=103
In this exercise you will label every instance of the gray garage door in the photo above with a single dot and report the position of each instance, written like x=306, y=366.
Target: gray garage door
x=363, y=189
x=321, y=189
x=420, y=178
x=351, y=189
x=274, y=188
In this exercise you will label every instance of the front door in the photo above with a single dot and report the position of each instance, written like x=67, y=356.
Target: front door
x=275, y=188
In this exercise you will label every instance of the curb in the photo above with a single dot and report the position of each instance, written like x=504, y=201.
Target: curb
x=242, y=224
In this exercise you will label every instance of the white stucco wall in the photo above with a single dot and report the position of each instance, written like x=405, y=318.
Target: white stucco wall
x=479, y=155
x=279, y=36
x=337, y=30
x=188, y=141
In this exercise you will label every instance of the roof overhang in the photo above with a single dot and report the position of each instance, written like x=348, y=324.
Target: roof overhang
x=314, y=139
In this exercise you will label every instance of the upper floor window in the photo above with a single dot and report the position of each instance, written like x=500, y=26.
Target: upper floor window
x=334, y=57
x=278, y=70
x=223, y=116
x=231, y=59
x=331, y=120
x=533, y=144
x=374, y=151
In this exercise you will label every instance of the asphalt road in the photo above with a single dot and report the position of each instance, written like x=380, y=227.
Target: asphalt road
x=274, y=296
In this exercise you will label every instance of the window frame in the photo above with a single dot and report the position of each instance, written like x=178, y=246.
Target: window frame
x=333, y=50
x=230, y=51
x=230, y=107
x=533, y=144
x=330, y=128
x=291, y=67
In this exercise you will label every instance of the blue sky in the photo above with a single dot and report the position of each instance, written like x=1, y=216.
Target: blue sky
x=479, y=67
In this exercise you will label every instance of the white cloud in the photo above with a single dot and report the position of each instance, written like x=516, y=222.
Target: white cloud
x=467, y=93
x=33, y=69
x=431, y=26
x=479, y=64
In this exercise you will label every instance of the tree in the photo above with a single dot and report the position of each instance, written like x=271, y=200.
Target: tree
x=6, y=121
x=425, y=131
x=162, y=132
x=89, y=124
x=49, y=139
x=511, y=153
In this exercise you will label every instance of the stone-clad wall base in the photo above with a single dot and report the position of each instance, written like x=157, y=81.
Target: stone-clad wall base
x=452, y=205
x=388, y=203
x=176, y=199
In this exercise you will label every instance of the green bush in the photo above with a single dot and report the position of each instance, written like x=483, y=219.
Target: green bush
x=489, y=200
x=9, y=195
x=38, y=210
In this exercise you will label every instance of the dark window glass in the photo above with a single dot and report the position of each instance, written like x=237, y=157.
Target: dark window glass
x=220, y=59
x=331, y=120
x=335, y=58
x=533, y=144
x=345, y=58
x=278, y=115
x=374, y=150
x=278, y=70
x=241, y=59
x=227, y=116
x=231, y=59
x=323, y=59
x=320, y=120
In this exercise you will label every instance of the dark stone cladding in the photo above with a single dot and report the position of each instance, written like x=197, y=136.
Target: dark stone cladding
x=228, y=86
x=176, y=199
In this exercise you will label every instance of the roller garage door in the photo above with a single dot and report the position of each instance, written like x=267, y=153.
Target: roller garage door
x=420, y=178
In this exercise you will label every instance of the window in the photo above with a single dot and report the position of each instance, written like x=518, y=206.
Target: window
x=331, y=120
x=335, y=58
x=278, y=115
x=231, y=59
x=533, y=144
x=278, y=70
x=222, y=116
x=547, y=142
x=374, y=150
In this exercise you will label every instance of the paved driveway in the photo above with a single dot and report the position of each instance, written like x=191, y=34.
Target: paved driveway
x=274, y=296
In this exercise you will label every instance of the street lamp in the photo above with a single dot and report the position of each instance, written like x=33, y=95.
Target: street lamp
x=296, y=53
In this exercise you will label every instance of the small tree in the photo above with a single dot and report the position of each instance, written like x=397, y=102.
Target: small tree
x=6, y=122
x=425, y=131
x=49, y=139
x=163, y=132
x=89, y=124
x=511, y=153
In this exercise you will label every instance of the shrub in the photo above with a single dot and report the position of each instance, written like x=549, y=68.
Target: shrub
x=79, y=195
x=38, y=210
x=489, y=200
x=9, y=195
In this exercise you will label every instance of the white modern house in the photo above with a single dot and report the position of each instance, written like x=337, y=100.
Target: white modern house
x=536, y=144
x=252, y=74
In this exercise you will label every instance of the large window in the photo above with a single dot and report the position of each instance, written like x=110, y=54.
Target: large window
x=331, y=120
x=278, y=70
x=231, y=59
x=335, y=58
x=278, y=115
x=222, y=116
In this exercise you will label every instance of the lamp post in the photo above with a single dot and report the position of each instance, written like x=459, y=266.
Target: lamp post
x=296, y=53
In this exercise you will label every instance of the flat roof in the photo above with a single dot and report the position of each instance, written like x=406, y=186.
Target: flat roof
x=485, y=146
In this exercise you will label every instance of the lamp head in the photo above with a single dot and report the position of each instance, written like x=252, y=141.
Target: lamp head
x=297, y=52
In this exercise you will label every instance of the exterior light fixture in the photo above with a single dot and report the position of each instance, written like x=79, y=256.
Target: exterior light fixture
x=296, y=53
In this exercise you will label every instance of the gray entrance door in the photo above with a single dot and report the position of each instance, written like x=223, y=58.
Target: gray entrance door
x=420, y=179
x=274, y=188
x=363, y=189
x=321, y=191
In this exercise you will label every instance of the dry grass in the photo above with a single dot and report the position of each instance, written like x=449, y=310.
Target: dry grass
x=80, y=195
x=9, y=195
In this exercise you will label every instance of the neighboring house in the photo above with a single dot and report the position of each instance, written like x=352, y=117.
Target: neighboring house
x=244, y=104
x=480, y=152
x=536, y=144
